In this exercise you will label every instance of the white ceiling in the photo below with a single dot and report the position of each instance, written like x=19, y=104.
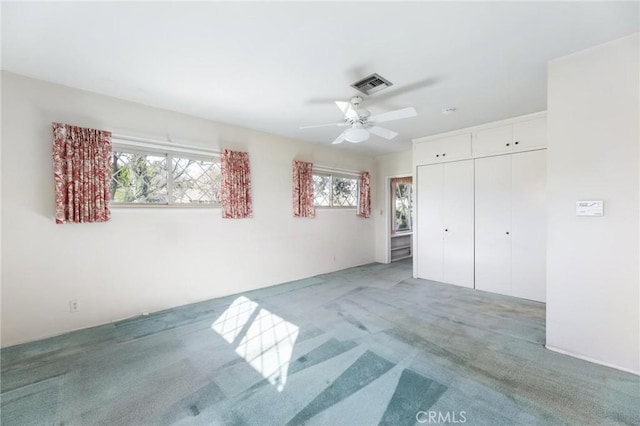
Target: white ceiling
x=275, y=66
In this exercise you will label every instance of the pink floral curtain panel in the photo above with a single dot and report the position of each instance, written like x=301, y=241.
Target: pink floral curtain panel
x=303, y=189
x=82, y=173
x=235, y=192
x=364, y=197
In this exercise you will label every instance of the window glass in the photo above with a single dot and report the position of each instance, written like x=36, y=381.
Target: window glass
x=139, y=178
x=402, y=207
x=345, y=192
x=322, y=190
x=164, y=179
x=334, y=191
x=195, y=181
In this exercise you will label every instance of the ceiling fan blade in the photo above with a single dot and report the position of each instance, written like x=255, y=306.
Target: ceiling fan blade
x=313, y=126
x=339, y=139
x=347, y=109
x=407, y=88
x=393, y=115
x=383, y=133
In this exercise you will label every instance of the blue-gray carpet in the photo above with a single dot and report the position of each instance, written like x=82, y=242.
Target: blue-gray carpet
x=363, y=346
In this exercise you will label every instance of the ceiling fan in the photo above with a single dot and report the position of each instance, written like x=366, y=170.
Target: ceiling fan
x=360, y=123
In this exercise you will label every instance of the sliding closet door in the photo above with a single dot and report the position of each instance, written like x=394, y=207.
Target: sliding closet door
x=528, y=244
x=429, y=222
x=458, y=250
x=493, y=223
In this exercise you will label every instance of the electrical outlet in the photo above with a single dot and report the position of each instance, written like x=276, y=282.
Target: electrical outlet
x=74, y=306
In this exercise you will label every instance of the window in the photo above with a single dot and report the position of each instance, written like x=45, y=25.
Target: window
x=141, y=177
x=196, y=181
x=401, y=205
x=334, y=191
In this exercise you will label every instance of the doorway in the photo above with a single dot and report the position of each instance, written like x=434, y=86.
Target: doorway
x=401, y=226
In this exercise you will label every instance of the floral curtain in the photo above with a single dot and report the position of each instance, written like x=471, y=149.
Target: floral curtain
x=82, y=173
x=364, y=196
x=235, y=192
x=303, y=189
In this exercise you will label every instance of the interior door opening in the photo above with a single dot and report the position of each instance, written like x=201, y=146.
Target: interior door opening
x=401, y=226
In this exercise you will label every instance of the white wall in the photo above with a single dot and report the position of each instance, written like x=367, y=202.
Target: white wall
x=390, y=165
x=145, y=260
x=592, y=262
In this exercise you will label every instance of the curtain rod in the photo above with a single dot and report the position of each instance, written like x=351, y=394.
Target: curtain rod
x=135, y=140
x=322, y=168
x=164, y=144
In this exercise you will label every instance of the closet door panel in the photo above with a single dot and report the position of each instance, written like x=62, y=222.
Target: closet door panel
x=530, y=134
x=528, y=244
x=429, y=225
x=458, y=225
x=492, y=224
x=441, y=150
x=492, y=141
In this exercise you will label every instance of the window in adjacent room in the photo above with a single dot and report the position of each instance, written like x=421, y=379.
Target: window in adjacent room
x=401, y=205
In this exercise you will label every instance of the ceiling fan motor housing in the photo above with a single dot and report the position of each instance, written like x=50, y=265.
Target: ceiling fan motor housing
x=362, y=113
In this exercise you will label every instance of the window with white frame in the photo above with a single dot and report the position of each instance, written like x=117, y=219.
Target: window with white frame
x=151, y=176
x=334, y=190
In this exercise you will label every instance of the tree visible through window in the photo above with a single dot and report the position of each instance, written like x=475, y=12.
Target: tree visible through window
x=401, y=204
x=139, y=178
x=196, y=181
x=160, y=178
x=334, y=191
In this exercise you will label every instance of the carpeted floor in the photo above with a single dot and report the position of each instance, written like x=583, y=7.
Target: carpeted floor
x=363, y=346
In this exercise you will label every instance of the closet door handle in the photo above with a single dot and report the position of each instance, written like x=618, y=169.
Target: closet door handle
x=507, y=232
x=517, y=142
x=444, y=154
x=446, y=230
x=508, y=144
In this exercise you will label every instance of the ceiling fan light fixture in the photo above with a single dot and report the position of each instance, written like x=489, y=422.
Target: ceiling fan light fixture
x=361, y=124
x=356, y=135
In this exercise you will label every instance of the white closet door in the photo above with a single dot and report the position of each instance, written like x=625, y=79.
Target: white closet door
x=492, y=224
x=492, y=141
x=530, y=134
x=458, y=225
x=429, y=226
x=528, y=236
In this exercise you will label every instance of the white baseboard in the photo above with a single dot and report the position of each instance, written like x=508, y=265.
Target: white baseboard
x=591, y=360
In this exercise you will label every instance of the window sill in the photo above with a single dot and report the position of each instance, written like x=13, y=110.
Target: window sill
x=401, y=234
x=327, y=208
x=161, y=206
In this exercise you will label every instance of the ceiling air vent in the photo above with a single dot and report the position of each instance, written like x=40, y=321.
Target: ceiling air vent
x=372, y=84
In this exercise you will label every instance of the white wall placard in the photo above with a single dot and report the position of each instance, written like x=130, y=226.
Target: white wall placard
x=590, y=208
